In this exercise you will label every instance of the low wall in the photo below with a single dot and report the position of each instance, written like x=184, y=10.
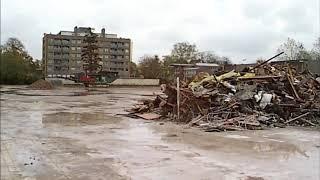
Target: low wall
x=314, y=66
x=135, y=82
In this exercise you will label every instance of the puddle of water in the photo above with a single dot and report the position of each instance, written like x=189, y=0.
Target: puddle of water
x=79, y=119
x=235, y=136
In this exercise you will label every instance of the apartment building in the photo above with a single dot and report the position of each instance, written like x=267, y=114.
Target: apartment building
x=62, y=53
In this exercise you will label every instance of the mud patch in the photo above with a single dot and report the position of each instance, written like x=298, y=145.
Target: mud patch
x=79, y=119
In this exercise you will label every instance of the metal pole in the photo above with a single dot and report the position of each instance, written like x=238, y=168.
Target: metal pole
x=178, y=97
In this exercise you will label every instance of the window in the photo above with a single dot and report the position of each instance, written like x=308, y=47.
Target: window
x=79, y=41
x=73, y=48
x=106, y=56
x=50, y=41
x=73, y=55
x=127, y=57
x=116, y=63
x=127, y=50
x=73, y=41
x=126, y=44
x=106, y=50
x=79, y=48
x=78, y=55
x=58, y=42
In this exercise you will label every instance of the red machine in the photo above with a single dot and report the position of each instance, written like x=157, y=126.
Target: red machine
x=87, y=80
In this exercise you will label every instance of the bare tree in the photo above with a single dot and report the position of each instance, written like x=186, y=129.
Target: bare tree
x=150, y=66
x=15, y=46
x=224, y=60
x=133, y=69
x=293, y=50
x=211, y=57
x=315, y=52
x=207, y=57
x=184, y=52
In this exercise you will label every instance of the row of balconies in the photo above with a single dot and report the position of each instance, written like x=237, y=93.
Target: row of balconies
x=118, y=46
x=59, y=57
x=75, y=63
x=119, y=52
x=65, y=43
x=79, y=50
x=57, y=45
x=68, y=43
x=61, y=49
x=113, y=63
x=55, y=69
x=70, y=58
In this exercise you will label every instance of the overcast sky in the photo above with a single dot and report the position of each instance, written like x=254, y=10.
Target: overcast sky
x=239, y=29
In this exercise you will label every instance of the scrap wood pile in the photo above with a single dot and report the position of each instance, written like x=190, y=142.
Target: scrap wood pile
x=41, y=85
x=277, y=97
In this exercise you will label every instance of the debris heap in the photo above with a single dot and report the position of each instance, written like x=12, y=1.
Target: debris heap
x=258, y=97
x=41, y=85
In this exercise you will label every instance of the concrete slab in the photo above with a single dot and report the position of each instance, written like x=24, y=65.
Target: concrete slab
x=81, y=137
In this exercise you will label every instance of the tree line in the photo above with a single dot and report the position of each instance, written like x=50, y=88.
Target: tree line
x=295, y=50
x=151, y=66
x=17, y=66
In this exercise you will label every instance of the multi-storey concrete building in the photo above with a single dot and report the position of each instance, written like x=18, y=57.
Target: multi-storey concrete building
x=62, y=53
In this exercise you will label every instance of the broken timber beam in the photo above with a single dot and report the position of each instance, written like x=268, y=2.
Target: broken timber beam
x=298, y=117
x=264, y=62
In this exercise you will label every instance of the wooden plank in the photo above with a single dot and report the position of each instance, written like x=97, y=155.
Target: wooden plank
x=149, y=116
x=296, y=118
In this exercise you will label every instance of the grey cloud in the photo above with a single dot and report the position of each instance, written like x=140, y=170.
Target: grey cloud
x=249, y=44
x=258, y=9
x=244, y=28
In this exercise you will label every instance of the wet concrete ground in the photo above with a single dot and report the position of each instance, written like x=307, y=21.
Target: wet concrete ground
x=73, y=134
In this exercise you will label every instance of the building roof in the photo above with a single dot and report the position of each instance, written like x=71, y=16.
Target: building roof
x=182, y=65
x=207, y=64
x=195, y=65
x=193, y=68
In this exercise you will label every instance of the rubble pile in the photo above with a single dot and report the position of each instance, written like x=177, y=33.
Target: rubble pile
x=41, y=85
x=258, y=97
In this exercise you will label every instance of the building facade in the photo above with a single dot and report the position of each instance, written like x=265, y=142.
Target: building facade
x=62, y=53
x=188, y=71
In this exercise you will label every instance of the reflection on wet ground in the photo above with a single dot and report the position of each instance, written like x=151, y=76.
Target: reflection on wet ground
x=81, y=137
x=78, y=119
x=66, y=92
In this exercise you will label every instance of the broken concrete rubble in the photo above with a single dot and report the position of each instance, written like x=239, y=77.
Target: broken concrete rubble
x=242, y=100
